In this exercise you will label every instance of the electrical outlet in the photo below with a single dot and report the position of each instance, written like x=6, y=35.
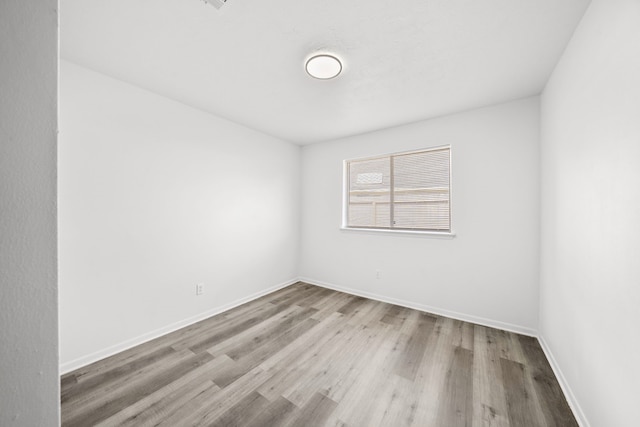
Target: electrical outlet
x=200, y=289
x=378, y=274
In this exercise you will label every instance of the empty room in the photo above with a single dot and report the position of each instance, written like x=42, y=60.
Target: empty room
x=320, y=213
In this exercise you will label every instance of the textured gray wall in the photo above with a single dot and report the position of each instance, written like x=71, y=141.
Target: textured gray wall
x=29, y=390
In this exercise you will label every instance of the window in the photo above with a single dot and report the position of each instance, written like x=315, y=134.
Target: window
x=402, y=191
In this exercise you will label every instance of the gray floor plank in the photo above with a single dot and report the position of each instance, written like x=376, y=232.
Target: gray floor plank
x=142, y=388
x=277, y=414
x=243, y=412
x=408, y=364
x=554, y=405
x=456, y=406
x=522, y=405
x=315, y=413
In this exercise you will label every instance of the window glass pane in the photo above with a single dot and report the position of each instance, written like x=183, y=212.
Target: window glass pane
x=369, y=193
x=421, y=190
x=401, y=191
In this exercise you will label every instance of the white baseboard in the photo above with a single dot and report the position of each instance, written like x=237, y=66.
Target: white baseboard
x=568, y=393
x=125, y=345
x=109, y=351
x=571, y=399
x=427, y=308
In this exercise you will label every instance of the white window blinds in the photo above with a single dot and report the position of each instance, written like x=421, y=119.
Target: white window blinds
x=405, y=191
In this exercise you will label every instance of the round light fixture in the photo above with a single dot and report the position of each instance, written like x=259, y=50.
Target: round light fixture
x=323, y=66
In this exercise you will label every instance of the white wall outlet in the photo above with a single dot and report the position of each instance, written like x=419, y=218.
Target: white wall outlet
x=378, y=273
x=200, y=289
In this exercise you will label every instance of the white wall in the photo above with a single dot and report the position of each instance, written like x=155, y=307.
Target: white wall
x=489, y=271
x=154, y=198
x=590, y=275
x=29, y=383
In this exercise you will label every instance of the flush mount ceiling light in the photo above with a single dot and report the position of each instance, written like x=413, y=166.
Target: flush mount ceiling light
x=323, y=66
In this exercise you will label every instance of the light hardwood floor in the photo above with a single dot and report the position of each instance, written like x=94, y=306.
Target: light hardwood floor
x=309, y=356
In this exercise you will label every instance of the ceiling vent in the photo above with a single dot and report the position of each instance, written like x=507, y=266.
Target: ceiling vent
x=216, y=3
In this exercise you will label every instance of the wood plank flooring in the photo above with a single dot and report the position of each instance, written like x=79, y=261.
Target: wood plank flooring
x=309, y=356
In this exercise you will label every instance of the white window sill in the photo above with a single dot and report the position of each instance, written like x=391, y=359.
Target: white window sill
x=432, y=234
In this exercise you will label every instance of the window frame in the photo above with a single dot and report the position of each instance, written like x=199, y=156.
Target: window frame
x=390, y=230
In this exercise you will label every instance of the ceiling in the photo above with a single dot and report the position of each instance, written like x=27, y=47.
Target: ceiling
x=404, y=60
